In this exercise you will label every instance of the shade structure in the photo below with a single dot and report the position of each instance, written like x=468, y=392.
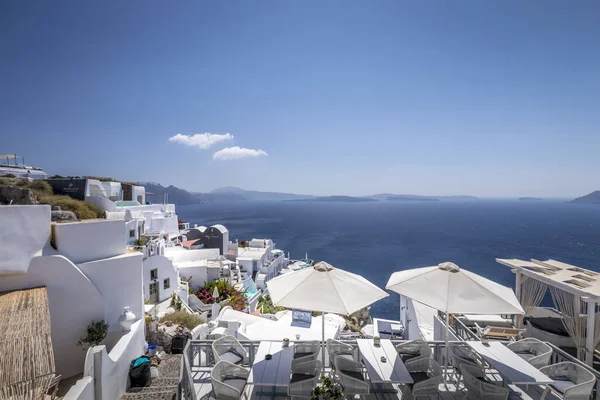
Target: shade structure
x=449, y=288
x=324, y=288
x=452, y=289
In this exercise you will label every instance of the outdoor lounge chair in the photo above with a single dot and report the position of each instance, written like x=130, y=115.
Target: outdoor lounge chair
x=534, y=351
x=307, y=351
x=350, y=376
x=571, y=380
x=413, y=349
x=228, y=380
x=477, y=386
x=459, y=353
x=427, y=376
x=228, y=348
x=336, y=348
x=304, y=378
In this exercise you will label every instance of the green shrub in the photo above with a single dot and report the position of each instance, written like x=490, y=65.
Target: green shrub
x=8, y=176
x=40, y=188
x=82, y=209
x=265, y=304
x=184, y=318
x=96, y=332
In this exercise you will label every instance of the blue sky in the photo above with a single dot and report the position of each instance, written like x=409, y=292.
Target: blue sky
x=489, y=98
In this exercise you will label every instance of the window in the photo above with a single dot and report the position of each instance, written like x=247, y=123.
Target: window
x=153, y=274
x=132, y=233
x=167, y=283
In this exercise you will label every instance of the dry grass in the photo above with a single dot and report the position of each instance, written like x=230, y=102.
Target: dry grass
x=184, y=318
x=82, y=209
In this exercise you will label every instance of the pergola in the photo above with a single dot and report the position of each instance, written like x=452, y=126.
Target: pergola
x=26, y=357
x=575, y=291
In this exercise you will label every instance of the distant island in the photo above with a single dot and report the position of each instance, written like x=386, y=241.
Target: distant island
x=336, y=199
x=530, y=198
x=411, y=198
x=592, y=198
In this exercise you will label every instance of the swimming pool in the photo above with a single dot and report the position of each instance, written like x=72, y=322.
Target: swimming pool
x=250, y=293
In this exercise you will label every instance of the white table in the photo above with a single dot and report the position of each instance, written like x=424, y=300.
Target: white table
x=391, y=371
x=512, y=367
x=275, y=372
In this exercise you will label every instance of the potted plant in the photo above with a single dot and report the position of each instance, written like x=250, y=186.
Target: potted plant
x=326, y=390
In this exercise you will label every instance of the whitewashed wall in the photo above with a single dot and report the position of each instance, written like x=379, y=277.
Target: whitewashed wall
x=180, y=254
x=74, y=303
x=119, y=280
x=82, y=390
x=165, y=269
x=87, y=241
x=198, y=273
x=24, y=232
x=102, y=202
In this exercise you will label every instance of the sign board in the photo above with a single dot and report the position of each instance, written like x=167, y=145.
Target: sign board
x=301, y=316
x=74, y=188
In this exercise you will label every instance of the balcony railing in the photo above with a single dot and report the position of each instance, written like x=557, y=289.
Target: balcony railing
x=198, y=353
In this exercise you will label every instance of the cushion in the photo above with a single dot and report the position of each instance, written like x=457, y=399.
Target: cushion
x=419, y=376
x=406, y=357
x=302, y=355
x=300, y=377
x=526, y=356
x=231, y=357
x=354, y=374
x=238, y=383
x=562, y=385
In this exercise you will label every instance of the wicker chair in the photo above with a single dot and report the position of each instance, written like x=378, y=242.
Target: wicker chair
x=571, y=380
x=228, y=380
x=304, y=352
x=336, y=348
x=413, y=349
x=478, y=387
x=228, y=348
x=459, y=353
x=304, y=378
x=427, y=375
x=534, y=351
x=350, y=376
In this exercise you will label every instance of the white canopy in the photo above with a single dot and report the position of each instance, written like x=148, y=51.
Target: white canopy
x=449, y=288
x=324, y=288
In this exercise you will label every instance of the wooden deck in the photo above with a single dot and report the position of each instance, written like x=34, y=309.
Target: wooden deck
x=203, y=387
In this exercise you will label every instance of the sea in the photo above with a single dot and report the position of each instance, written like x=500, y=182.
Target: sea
x=375, y=239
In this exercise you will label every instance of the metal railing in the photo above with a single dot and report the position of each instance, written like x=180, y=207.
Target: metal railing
x=463, y=332
x=198, y=354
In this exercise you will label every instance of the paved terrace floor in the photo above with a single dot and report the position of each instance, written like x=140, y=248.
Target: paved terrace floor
x=203, y=387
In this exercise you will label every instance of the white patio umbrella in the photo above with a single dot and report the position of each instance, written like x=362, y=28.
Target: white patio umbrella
x=215, y=293
x=447, y=287
x=325, y=289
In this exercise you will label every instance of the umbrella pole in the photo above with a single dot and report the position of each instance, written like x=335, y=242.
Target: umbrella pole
x=323, y=342
x=447, y=352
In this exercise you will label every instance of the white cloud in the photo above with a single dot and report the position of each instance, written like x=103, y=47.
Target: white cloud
x=231, y=153
x=200, y=140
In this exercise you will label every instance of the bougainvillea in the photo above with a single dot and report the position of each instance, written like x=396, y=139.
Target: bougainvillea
x=227, y=293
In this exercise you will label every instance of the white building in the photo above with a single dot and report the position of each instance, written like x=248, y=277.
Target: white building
x=89, y=276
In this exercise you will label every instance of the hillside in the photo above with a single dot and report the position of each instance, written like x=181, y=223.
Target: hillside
x=232, y=193
x=155, y=194
x=336, y=199
x=416, y=197
x=411, y=198
x=592, y=198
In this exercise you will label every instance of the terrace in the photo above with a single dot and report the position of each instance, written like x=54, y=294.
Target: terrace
x=199, y=361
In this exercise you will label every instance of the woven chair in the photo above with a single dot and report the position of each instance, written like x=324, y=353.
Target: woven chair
x=304, y=378
x=478, y=387
x=350, y=376
x=228, y=380
x=413, y=349
x=459, y=353
x=228, y=348
x=427, y=375
x=571, y=380
x=534, y=351
x=304, y=352
x=336, y=348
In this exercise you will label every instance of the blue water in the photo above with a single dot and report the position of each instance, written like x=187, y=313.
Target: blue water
x=376, y=239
